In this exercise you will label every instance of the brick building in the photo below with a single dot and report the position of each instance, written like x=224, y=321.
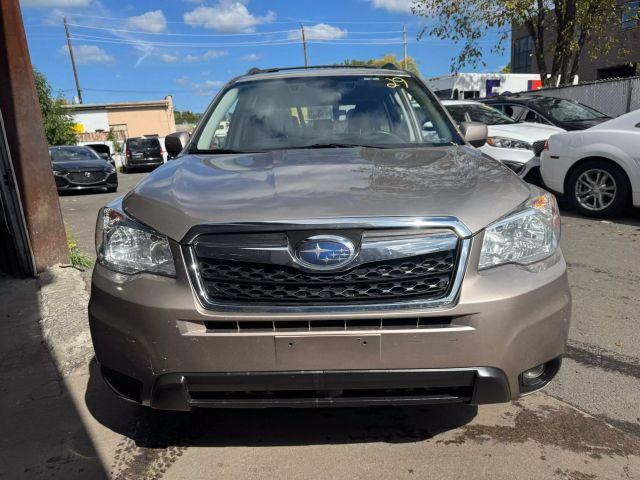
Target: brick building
x=617, y=63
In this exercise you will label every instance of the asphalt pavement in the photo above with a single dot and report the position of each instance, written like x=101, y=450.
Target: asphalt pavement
x=584, y=425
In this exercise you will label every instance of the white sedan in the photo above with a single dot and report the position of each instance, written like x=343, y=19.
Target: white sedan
x=599, y=168
x=516, y=144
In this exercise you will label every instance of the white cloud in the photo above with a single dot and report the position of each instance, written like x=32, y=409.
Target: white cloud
x=168, y=58
x=226, y=16
x=398, y=6
x=252, y=57
x=183, y=80
x=84, y=54
x=207, y=88
x=153, y=22
x=206, y=56
x=320, y=31
x=55, y=3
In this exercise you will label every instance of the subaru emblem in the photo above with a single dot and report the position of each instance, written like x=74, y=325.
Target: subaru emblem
x=325, y=252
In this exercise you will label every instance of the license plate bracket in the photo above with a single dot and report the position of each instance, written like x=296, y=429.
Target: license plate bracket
x=320, y=352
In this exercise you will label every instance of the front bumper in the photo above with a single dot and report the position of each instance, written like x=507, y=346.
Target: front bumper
x=152, y=332
x=64, y=183
x=524, y=161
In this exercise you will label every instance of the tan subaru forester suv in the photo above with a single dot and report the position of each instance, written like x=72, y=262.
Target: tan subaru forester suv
x=339, y=242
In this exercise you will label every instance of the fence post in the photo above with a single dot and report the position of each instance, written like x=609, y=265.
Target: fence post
x=629, y=96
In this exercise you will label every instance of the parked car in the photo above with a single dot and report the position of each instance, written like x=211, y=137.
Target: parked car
x=142, y=152
x=103, y=151
x=81, y=168
x=598, y=168
x=516, y=144
x=559, y=112
x=358, y=262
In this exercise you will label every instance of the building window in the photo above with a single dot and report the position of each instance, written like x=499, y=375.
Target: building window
x=523, y=55
x=629, y=14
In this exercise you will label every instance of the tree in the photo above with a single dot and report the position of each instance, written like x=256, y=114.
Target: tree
x=59, y=128
x=412, y=66
x=572, y=24
x=186, y=116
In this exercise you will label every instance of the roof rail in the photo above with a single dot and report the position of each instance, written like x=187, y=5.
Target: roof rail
x=386, y=66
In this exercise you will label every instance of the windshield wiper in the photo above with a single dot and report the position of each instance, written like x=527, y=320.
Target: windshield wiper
x=219, y=150
x=336, y=145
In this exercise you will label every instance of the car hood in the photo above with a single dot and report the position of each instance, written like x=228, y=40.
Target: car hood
x=583, y=125
x=297, y=185
x=82, y=165
x=528, y=132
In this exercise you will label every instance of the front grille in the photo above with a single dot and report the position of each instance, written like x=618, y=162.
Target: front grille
x=420, y=323
x=538, y=147
x=86, y=177
x=428, y=277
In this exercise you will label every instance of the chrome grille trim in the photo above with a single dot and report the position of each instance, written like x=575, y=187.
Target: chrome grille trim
x=233, y=310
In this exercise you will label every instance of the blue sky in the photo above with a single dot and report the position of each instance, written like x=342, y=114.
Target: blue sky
x=145, y=49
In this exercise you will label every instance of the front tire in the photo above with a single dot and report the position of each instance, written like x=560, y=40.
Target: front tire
x=599, y=189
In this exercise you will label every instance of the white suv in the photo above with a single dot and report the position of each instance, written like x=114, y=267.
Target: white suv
x=517, y=145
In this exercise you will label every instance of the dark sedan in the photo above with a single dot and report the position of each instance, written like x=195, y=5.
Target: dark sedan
x=559, y=112
x=80, y=168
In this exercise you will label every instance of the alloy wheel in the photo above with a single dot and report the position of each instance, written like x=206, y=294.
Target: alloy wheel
x=595, y=189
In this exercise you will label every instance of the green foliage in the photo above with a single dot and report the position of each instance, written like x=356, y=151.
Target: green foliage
x=58, y=126
x=506, y=68
x=186, y=117
x=412, y=66
x=79, y=259
x=571, y=23
x=117, y=146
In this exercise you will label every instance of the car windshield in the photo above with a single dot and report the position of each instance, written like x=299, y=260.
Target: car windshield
x=562, y=110
x=66, y=154
x=471, y=112
x=140, y=143
x=324, y=112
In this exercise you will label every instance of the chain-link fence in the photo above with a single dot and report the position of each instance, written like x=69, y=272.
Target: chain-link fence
x=613, y=97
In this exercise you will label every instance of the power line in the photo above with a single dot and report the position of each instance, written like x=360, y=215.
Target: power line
x=122, y=30
x=175, y=34
x=283, y=41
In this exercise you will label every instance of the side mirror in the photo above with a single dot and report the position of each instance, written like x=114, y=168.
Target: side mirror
x=174, y=143
x=474, y=133
x=104, y=156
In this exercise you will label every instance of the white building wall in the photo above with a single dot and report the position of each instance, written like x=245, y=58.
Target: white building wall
x=92, y=120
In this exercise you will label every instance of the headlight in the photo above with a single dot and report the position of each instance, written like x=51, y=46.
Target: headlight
x=109, y=169
x=529, y=235
x=503, y=142
x=58, y=172
x=126, y=246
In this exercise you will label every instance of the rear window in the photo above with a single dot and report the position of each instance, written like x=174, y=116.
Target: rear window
x=139, y=143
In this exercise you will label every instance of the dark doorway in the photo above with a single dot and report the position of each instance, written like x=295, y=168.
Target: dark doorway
x=15, y=252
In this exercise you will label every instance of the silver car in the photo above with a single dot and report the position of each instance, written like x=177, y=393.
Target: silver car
x=342, y=244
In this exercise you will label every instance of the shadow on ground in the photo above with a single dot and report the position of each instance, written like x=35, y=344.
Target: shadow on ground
x=273, y=427
x=42, y=433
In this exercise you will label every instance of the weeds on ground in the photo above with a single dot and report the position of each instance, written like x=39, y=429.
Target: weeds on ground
x=78, y=258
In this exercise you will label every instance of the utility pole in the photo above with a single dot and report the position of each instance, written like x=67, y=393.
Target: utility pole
x=304, y=46
x=404, y=46
x=73, y=62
